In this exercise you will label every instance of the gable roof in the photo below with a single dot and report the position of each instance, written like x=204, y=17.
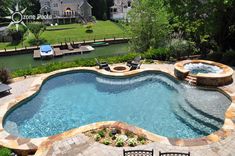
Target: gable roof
x=85, y=2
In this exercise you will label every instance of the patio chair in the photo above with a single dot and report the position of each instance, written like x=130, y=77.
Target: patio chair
x=138, y=153
x=135, y=66
x=136, y=60
x=102, y=65
x=4, y=88
x=173, y=154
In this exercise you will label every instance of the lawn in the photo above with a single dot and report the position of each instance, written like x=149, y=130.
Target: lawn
x=72, y=32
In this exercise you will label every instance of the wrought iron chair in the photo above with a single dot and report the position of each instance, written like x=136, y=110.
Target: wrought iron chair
x=138, y=153
x=173, y=154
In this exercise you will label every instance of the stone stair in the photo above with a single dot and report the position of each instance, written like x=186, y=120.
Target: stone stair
x=198, y=121
x=191, y=80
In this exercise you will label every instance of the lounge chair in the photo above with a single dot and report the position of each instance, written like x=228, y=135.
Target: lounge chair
x=135, y=64
x=102, y=65
x=70, y=47
x=136, y=60
x=173, y=154
x=138, y=153
x=4, y=88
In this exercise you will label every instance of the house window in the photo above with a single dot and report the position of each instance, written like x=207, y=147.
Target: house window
x=129, y=4
x=56, y=13
x=55, y=5
x=115, y=10
x=48, y=3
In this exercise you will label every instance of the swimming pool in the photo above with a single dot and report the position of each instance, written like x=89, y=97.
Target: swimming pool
x=152, y=101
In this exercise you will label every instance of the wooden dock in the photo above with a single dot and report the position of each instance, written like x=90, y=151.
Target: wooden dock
x=58, y=52
x=36, y=54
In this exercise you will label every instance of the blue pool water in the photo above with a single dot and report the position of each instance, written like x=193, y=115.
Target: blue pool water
x=152, y=101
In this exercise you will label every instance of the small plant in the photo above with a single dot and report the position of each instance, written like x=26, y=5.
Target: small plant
x=101, y=133
x=132, y=142
x=4, y=75
x=111, y=134
x=119, y=142
x=89, y=28
x=143, y=142
x=5, y=151
x=37, y=29
x=106, y=142
x=97, y=137
x=114, y=137
x=129, y=134
x=141, y=137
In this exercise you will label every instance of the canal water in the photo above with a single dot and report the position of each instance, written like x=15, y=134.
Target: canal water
x=26, y=60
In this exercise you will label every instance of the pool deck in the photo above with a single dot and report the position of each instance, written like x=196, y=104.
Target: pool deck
x=74, y=142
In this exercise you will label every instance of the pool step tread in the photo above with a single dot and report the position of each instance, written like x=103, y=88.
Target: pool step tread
x=193, y=121
x=192, y=80
x=191, y=77
x=195, y=129
x=199, y=111
x=200, y=118
x=201, y=114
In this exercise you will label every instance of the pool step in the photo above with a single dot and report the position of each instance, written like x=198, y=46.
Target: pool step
x=191, y=80
x=205, y=118
x=196, y=121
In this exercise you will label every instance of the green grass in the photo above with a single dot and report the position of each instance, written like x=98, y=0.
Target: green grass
x=72, y=32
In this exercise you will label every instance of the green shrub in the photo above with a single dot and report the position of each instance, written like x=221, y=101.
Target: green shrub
x=106, y=142
x=4, y=75
x=119, y=142
x=89, y=28
x=143, y=142
x=17, y=35
x=229, y=57
x=111, y=134
x=157, y=54
x=141, y=137
x=87, y=62
x=101, y=133
x=129, y=134
x=5, y=151
x=97, y=137
x=132, y=142
x=181, y=47
x=215, y=56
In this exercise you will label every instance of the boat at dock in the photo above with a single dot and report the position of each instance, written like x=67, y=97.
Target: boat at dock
x=99, y=44
x=57, y=52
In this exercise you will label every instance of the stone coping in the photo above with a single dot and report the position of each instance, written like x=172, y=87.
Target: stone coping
x=227, y=71
x=32, y=144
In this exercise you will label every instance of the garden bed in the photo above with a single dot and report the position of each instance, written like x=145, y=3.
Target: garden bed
x=117, y=137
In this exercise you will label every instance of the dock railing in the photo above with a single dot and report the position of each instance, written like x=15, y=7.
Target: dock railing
x=80, y=39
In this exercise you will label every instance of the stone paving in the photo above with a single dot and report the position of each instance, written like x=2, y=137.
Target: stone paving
x=18, y=87
x=81, y=145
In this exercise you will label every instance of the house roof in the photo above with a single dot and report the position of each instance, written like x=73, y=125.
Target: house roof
x=85, y=2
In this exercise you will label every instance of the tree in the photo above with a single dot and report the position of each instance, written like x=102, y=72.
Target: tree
x=3, y=9
x=149, y=25
x=100, y=8
x=37, y=29
x=204, y=21
x=33, y=6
